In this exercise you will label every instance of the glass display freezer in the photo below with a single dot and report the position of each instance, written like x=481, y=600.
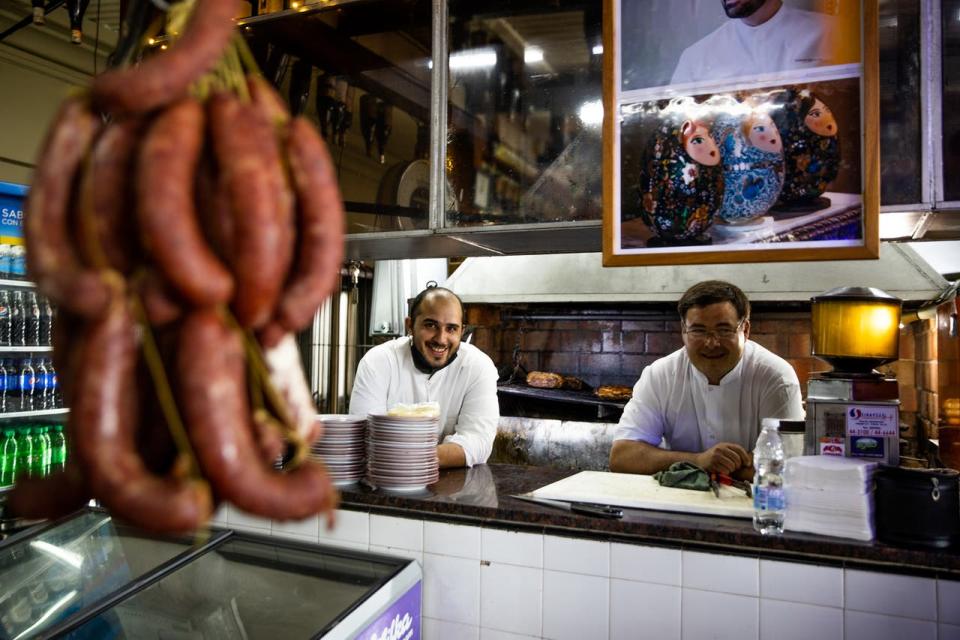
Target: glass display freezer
x=88, y=576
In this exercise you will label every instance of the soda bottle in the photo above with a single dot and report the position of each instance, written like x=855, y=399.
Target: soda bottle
x=12, y=377
x=4, y=318
x=46, y=321
x=53, y=386
x=28, y=383
x=25, y=452
x=31, y=319
x=40, y=389
x=17, y=334
x=8, y=458
x=58, y=449
x=3, y=387
x=41, y=444
x=768, y=500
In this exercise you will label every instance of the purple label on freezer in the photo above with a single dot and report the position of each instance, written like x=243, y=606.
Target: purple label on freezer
x=400, y=622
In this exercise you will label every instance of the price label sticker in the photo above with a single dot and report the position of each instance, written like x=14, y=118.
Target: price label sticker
x=878, y=421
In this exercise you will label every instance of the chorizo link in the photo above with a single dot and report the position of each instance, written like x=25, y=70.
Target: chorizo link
x=261, y=203
x=105, y=227
x=166, y=77
x=52, y=261
x=320, y=227
x=165, y=206
x=105, y=413
x=211, y=370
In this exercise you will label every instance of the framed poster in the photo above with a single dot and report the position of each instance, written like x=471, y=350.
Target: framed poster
x=740, y=131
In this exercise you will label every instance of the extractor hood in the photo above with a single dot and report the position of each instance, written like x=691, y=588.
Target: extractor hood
x=581, y=277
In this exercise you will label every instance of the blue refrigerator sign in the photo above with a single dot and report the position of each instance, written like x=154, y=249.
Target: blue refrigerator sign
x=400, y=622
x=11, y=212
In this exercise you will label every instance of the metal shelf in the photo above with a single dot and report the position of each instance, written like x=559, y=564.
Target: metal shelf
x=23, y=284
x=45, y=413
x=28, y=349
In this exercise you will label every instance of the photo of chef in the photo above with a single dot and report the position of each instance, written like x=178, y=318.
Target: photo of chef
x=763, y=167
x=683, y=43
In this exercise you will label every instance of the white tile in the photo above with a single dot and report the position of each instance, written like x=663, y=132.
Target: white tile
x=806, y=583
x=510, y=598
x=794, y=621
x=398, y=533
x=512, y=547
x=399, y=553
x=451, y=540
x=858, y=625
x=494, y=634
x=949, y=632
x=221, y=517
x=308, y=527
x=575, y=606
x=451, y=589
x=641, y=609
x=434, y=629
x=721, y=573
x=350, y=526
x=645, y=564
x=293, y=536
x=707, y=614
x=890, y=594
x=576, y=555
x=948, y=596
x=243, y=520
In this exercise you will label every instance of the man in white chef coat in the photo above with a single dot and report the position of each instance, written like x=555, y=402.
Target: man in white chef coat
x=704, y=402
x=760, y=36
x=430, y=364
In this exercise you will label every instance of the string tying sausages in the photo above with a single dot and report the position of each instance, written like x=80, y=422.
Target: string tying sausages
x=187, y=227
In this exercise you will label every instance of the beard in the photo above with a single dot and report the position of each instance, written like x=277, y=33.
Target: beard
x=741, y=8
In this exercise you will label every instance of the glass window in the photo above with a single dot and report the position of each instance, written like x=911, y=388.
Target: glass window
x=525, y=112
x=900, y=102
x=361, y=72
x=951, y=95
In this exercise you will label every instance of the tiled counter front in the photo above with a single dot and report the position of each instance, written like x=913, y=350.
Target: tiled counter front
x=486, y=580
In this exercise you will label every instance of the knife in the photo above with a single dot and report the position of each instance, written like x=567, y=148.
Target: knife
x=585, y=508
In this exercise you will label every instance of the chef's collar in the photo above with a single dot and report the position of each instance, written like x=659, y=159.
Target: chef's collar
x=728, y=378
x=425, y=367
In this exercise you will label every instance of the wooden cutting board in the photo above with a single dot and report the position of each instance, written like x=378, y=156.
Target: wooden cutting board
x=643, y=492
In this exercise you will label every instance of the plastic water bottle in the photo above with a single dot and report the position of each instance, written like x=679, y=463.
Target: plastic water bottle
x=46, y=321
x=31, y=319
x=12, y=385
x=53, y=387
x=58, y=449
x=28, y=385
x=41, y=444
x=40, y=389
x=768, y=499
x=8, y=458
x=18, y=335
x=4, y=317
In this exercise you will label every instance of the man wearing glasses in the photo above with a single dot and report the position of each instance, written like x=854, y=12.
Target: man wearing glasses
x=703, y=403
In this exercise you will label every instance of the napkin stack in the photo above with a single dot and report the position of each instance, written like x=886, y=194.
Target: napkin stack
x=830, y=495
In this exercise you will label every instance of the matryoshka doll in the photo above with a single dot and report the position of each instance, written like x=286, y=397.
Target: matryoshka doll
x=811, y=147
x=682, y=182
x=752, y=160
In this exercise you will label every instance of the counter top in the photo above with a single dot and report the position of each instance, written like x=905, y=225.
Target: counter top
x=481, y=496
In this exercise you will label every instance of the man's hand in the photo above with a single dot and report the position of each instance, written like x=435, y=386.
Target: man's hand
x=724, y=457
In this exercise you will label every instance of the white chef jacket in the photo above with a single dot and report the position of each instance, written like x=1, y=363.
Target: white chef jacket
x=791, y=39
x=466, y=391
x=673, y=401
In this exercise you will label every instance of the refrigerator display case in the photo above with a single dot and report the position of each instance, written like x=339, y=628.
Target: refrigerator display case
x=89, y=576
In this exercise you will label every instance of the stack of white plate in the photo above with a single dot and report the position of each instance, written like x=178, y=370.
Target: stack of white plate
x=342, y=447
x=402, y=452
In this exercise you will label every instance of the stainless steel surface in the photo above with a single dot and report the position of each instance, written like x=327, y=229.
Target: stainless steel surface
x=581, y=277
x=931, y=98
x=438, y=116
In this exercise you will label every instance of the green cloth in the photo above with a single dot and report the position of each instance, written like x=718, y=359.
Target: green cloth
x=684, y=475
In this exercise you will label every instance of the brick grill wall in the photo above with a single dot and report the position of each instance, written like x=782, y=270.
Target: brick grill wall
x=616, y=351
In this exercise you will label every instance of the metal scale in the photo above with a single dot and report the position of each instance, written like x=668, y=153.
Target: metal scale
x=854, y=411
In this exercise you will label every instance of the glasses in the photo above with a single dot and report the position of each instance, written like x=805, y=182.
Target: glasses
x=722, y=333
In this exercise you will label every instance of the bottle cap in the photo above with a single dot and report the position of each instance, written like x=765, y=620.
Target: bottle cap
x=770, y=423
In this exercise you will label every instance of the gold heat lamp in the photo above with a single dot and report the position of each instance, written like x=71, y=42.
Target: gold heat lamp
x=855, y=329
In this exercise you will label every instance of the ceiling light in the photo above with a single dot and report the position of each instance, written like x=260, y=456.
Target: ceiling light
x=591, y=113
x=532, y=55
x=473, y=59
x=597, y=49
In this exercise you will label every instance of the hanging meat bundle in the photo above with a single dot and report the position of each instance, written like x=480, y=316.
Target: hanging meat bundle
x=187, y=226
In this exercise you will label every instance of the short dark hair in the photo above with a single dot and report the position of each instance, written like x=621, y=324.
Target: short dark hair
x=711, y=292
x=431, y=289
